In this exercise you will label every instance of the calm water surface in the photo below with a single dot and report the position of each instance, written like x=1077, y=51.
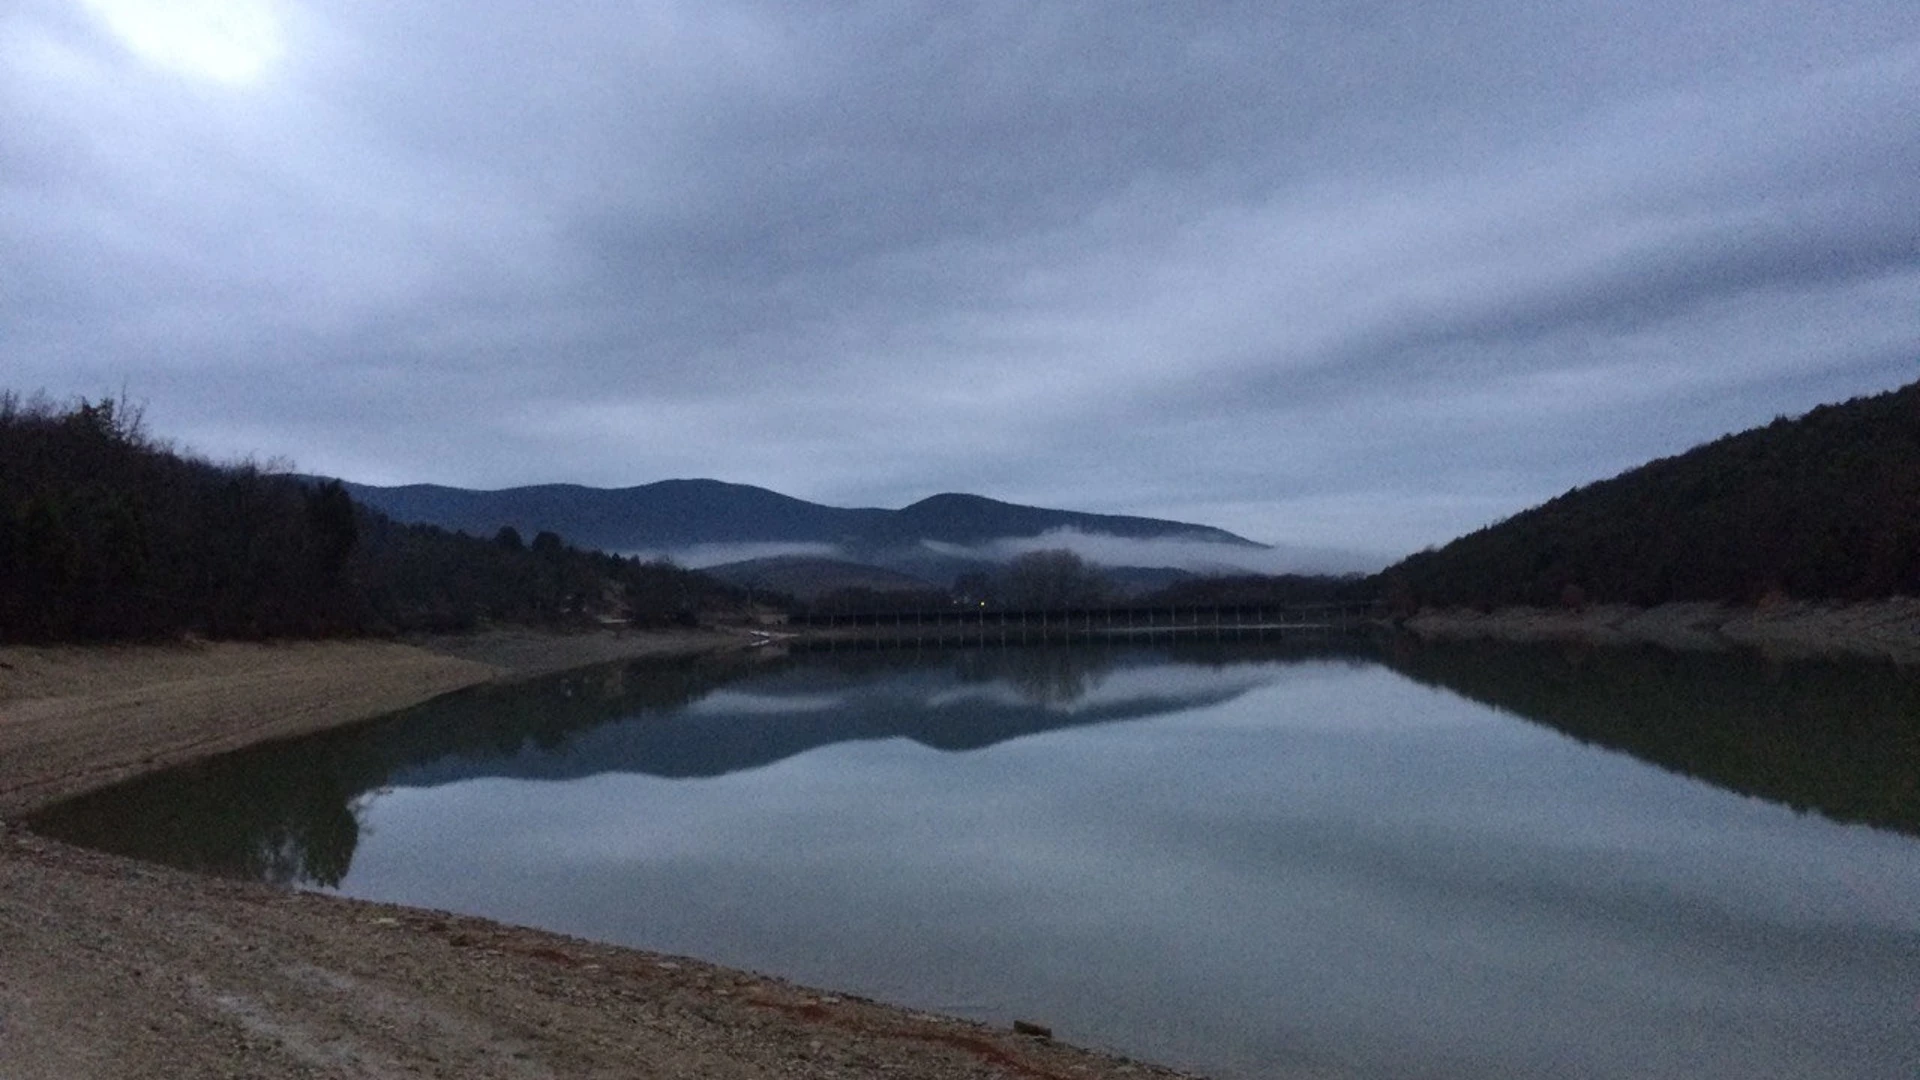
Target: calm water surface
x=1398, y=861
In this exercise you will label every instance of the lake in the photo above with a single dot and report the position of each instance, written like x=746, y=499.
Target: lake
x=1343, y=857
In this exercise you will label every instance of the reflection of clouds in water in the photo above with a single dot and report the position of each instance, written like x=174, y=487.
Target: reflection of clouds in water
x=985, y=694
x=1312, y=838
x=1412, y=873
x=737, y=702
x=1076, y=681
x=1175, y=680
x=1330, y=697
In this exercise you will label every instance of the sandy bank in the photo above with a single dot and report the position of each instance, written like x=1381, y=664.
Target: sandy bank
x=1885, y=629
x=73, y=719
x=111, y=968
x=77, y=718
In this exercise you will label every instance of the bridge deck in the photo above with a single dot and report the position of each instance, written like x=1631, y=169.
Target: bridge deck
x=990, y=625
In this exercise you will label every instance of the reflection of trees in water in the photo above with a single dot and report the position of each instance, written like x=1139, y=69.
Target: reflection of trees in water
x=1841, y=738
x=1061, y=675
x=317, y=849
x=247, y=816
x=290, y=812
x=1051, y=678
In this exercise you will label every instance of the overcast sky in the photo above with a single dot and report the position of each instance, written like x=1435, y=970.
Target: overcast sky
x=1362, y=275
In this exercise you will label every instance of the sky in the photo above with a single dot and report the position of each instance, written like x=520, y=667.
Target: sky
x=1359, y=276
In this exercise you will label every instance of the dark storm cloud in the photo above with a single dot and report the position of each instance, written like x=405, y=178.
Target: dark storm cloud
x=1355, y=275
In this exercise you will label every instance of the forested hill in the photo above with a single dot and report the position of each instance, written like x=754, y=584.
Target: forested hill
x=106, y=533
x=672, y=514
x=1824, y=506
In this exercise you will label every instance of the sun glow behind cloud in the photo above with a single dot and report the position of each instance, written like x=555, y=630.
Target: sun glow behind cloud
x=235, y=42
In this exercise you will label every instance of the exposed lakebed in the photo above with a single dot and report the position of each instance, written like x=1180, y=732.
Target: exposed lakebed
x=1236, y=858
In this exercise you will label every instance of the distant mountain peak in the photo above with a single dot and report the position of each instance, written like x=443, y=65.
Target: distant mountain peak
x=958, y=498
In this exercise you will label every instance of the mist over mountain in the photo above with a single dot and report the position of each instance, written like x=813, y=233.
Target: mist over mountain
x=810, y=579
x=711, y=523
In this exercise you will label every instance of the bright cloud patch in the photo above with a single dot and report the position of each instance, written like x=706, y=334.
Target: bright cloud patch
x=227, y=41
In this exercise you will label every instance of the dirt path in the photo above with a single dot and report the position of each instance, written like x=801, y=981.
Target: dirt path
x=116, y=969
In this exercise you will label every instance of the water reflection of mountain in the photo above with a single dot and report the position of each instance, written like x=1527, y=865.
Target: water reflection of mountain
x=966, y=702
x=287, y=812
x=1840, y=738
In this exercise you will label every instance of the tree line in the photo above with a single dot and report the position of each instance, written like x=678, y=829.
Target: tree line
x=1057, y=579
x=107, y=533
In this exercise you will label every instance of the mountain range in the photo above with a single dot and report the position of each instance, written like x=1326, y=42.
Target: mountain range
x=673, y=515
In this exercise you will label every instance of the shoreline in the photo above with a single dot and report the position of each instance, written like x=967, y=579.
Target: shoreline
x=75, y=718
x=1787, y=630
x=115, y=968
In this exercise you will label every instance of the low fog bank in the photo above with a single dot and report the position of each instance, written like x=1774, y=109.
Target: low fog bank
x=702, y=556
x=938, y=563
x=1194, y=556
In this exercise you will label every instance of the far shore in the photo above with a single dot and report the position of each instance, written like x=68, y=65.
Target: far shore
x=1881, y=629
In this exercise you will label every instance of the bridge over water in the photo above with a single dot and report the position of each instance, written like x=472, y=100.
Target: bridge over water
x=991, y=625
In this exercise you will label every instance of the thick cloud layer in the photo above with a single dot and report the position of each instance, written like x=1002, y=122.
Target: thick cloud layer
x=1357, y=276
